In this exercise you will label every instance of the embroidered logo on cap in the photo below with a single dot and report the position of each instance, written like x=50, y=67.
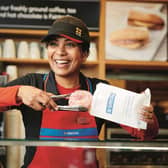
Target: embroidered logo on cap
x=78, y=31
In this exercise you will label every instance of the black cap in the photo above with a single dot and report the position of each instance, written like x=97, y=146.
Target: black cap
x=69, y=27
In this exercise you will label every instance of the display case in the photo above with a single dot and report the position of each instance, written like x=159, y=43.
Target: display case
x=119, y=152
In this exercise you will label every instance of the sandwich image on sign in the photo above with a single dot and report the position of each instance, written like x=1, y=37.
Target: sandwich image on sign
x=146, y=18
x=130, y=37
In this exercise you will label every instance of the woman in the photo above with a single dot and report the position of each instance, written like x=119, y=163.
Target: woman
x=68, y=44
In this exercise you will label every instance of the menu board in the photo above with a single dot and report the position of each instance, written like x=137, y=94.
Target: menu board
x=40, y=14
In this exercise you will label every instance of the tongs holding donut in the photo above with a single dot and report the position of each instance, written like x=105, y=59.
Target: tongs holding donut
x=68, y=108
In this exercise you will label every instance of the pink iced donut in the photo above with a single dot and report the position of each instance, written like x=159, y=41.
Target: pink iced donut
x=80, y=98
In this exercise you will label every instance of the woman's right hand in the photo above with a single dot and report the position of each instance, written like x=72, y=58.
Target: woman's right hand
x=35, y=98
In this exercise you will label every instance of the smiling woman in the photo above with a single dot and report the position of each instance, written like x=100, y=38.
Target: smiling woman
x=67, y=43
x=65, y=58
x=68, y=47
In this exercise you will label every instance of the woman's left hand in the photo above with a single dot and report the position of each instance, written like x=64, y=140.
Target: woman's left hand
x=146, y=114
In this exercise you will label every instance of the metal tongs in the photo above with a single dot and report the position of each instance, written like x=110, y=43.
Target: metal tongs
x=68, y=108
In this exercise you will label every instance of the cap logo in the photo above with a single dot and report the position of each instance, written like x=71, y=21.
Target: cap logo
x=78, y=31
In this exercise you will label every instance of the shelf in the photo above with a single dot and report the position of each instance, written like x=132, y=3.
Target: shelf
x=138, y=76
x=33, y=32
x=136, y=65
x=35, y=61
x=23, y=61
x=23, y=32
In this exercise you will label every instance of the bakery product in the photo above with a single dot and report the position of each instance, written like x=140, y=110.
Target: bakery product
x=130, y=37
x=80, y=98
x=144, y=18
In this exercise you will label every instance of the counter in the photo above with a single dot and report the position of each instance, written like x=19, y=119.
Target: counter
x=118, y=152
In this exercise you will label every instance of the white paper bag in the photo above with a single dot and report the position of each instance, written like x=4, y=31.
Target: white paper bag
x=119, y=105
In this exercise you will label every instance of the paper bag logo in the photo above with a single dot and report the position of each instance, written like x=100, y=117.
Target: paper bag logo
x=78, y=31
x=110, y=103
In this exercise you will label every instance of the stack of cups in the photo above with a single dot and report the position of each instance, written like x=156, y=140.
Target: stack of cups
x=9, y=49
x=0, y=51
x=34, y=50
x=44, y=52
x=93, y=52
x=12, y=72
x=23, y=50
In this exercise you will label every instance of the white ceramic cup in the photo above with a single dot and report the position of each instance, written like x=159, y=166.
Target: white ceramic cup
x=9, y=49
x=34, y=50
x=12, y=71
x=23, y=50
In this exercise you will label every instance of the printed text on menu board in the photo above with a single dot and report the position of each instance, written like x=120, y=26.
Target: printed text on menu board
x=41, y=14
